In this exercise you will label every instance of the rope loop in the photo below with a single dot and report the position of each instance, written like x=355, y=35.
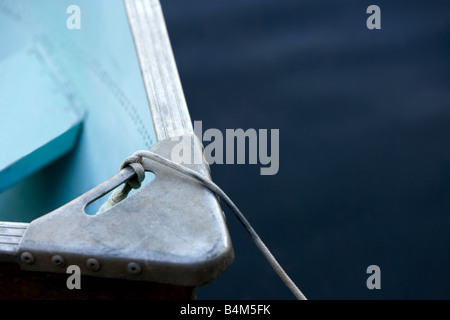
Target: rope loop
x=135, y=162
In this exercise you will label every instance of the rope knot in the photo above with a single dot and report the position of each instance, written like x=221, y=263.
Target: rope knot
x=135, y=162
x=119, y=194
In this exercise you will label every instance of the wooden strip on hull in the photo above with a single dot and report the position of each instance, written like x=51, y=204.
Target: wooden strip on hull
x=16, y=284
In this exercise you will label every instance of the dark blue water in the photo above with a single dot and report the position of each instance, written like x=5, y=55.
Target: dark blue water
x=364, y=120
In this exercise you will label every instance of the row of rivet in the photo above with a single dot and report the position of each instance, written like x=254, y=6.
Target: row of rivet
x=91, y=263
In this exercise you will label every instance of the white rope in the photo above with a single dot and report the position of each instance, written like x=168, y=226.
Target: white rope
x=135, y=161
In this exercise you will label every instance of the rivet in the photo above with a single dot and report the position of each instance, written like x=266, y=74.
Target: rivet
x=134, y=268
x=27, y=257
x=93, y=264
x=58, y=261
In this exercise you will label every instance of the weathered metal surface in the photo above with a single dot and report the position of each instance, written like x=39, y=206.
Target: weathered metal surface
x=162, y=83
x=172, y=230
x=10, y=235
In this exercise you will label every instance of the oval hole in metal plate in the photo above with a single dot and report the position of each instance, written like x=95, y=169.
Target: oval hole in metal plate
x=92, y=208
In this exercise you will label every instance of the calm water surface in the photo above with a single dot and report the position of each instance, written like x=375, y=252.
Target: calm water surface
x=364, y=120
